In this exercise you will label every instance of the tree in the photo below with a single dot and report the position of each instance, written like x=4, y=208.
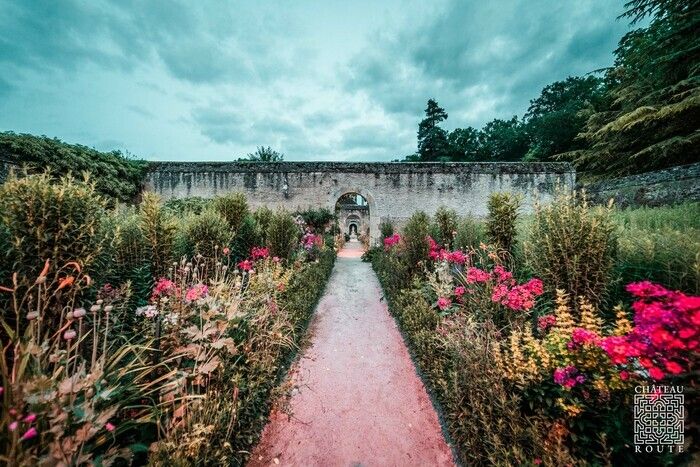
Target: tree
x=556, y=116
x=653, y=93
x=432, y=139
x=263, y=154
x=464, y=144
x=504, y=140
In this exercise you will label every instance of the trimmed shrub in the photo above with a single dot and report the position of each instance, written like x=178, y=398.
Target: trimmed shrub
x=573, y=247
x=501, y=220
x=415, y=241
x=159, y=229
x=59, y=221
x=444, y=227
x=263, y=216
x=282, y=235
x=386, y=229
x=246, y=238
x=204, y=234
x=233, y=207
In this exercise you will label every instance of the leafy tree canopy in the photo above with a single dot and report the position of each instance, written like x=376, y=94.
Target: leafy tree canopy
x=116, y=176
x=263, y=154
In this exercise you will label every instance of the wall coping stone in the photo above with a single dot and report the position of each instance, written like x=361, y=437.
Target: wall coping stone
x=497, y=168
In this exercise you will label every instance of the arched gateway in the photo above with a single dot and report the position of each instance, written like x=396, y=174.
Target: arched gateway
x=393, y=191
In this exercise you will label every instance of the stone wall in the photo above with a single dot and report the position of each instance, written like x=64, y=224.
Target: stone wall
x=394, y=191
x=663, y=187
x=5, y=167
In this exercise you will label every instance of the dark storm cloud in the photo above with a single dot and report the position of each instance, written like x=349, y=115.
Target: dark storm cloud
x=183, y=79
x=503, y=52
x=199, y=42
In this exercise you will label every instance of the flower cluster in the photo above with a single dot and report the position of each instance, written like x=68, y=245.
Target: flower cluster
x=258, y=252
x=23, y=422
x=310, y=240
x=512, y=295
x=437, y=253
x=545, y=322
x=196, y=292
x=665, y=331
x=568, y=376
x=164, y=288
x=246, y=265
x=392, y=241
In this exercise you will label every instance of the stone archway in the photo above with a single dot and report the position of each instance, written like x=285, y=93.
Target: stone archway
x=372, y=222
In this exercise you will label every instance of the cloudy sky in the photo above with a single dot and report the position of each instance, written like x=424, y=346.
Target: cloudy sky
x=316, y=80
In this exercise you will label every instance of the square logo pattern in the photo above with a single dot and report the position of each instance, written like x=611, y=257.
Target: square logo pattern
x=659, y=419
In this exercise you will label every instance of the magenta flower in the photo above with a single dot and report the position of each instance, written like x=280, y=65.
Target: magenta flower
x=29, y=434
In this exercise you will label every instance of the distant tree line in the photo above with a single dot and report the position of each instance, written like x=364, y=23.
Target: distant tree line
x=641, y=114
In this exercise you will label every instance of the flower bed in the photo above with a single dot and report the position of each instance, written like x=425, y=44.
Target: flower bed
x=523, y=381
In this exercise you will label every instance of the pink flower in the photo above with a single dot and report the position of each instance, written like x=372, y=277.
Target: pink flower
x=246, y=265
x=227, y=251
x=276, y=259
x=392, y=241
x=29, y=434
x=196, y=292
x=29, y=418
x=457, y=257
x=624, y=375
x=79, y=313
x=674, y=368
x=164, y=288
x=444, y=303
x=69, y=334
x=545, y=322
x=656, y=373
x=501, y=274
x=476, y=275
x=109, y=427
x=460, y=290
x=13, y=426
x=259, y=253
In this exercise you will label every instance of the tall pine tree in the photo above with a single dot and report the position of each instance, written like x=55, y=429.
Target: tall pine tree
x=432, y=139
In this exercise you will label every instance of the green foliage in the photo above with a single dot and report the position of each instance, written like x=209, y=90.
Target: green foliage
x=317, y=219
x=662, y=245
x=59, y=222
x=263, y=216
x=263, y=154
x=415, y=241
x=158, y=229
x=179, y=207
x=470, y=233
x=233, y=207
x=558, y=115
x=654, y=95
x=282, y=235
x=131, y=255
x=203, y=234
x=502, y=219
x=115, y=176
x=573, y=247
x=386, y=229
x=444, y=226
x=503, y=140
x=246, y=238
x=432, y=139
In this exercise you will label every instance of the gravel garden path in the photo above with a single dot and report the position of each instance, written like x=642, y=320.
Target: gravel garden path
x=356, y=397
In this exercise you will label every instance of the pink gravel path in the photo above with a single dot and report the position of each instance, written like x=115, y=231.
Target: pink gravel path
x=357, y=399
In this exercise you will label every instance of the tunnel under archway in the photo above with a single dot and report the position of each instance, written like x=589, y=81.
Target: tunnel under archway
x=352, y=211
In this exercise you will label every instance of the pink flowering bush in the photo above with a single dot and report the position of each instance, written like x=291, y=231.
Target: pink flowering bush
x=664, y=340
x=494, y=294
x=392, y=241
